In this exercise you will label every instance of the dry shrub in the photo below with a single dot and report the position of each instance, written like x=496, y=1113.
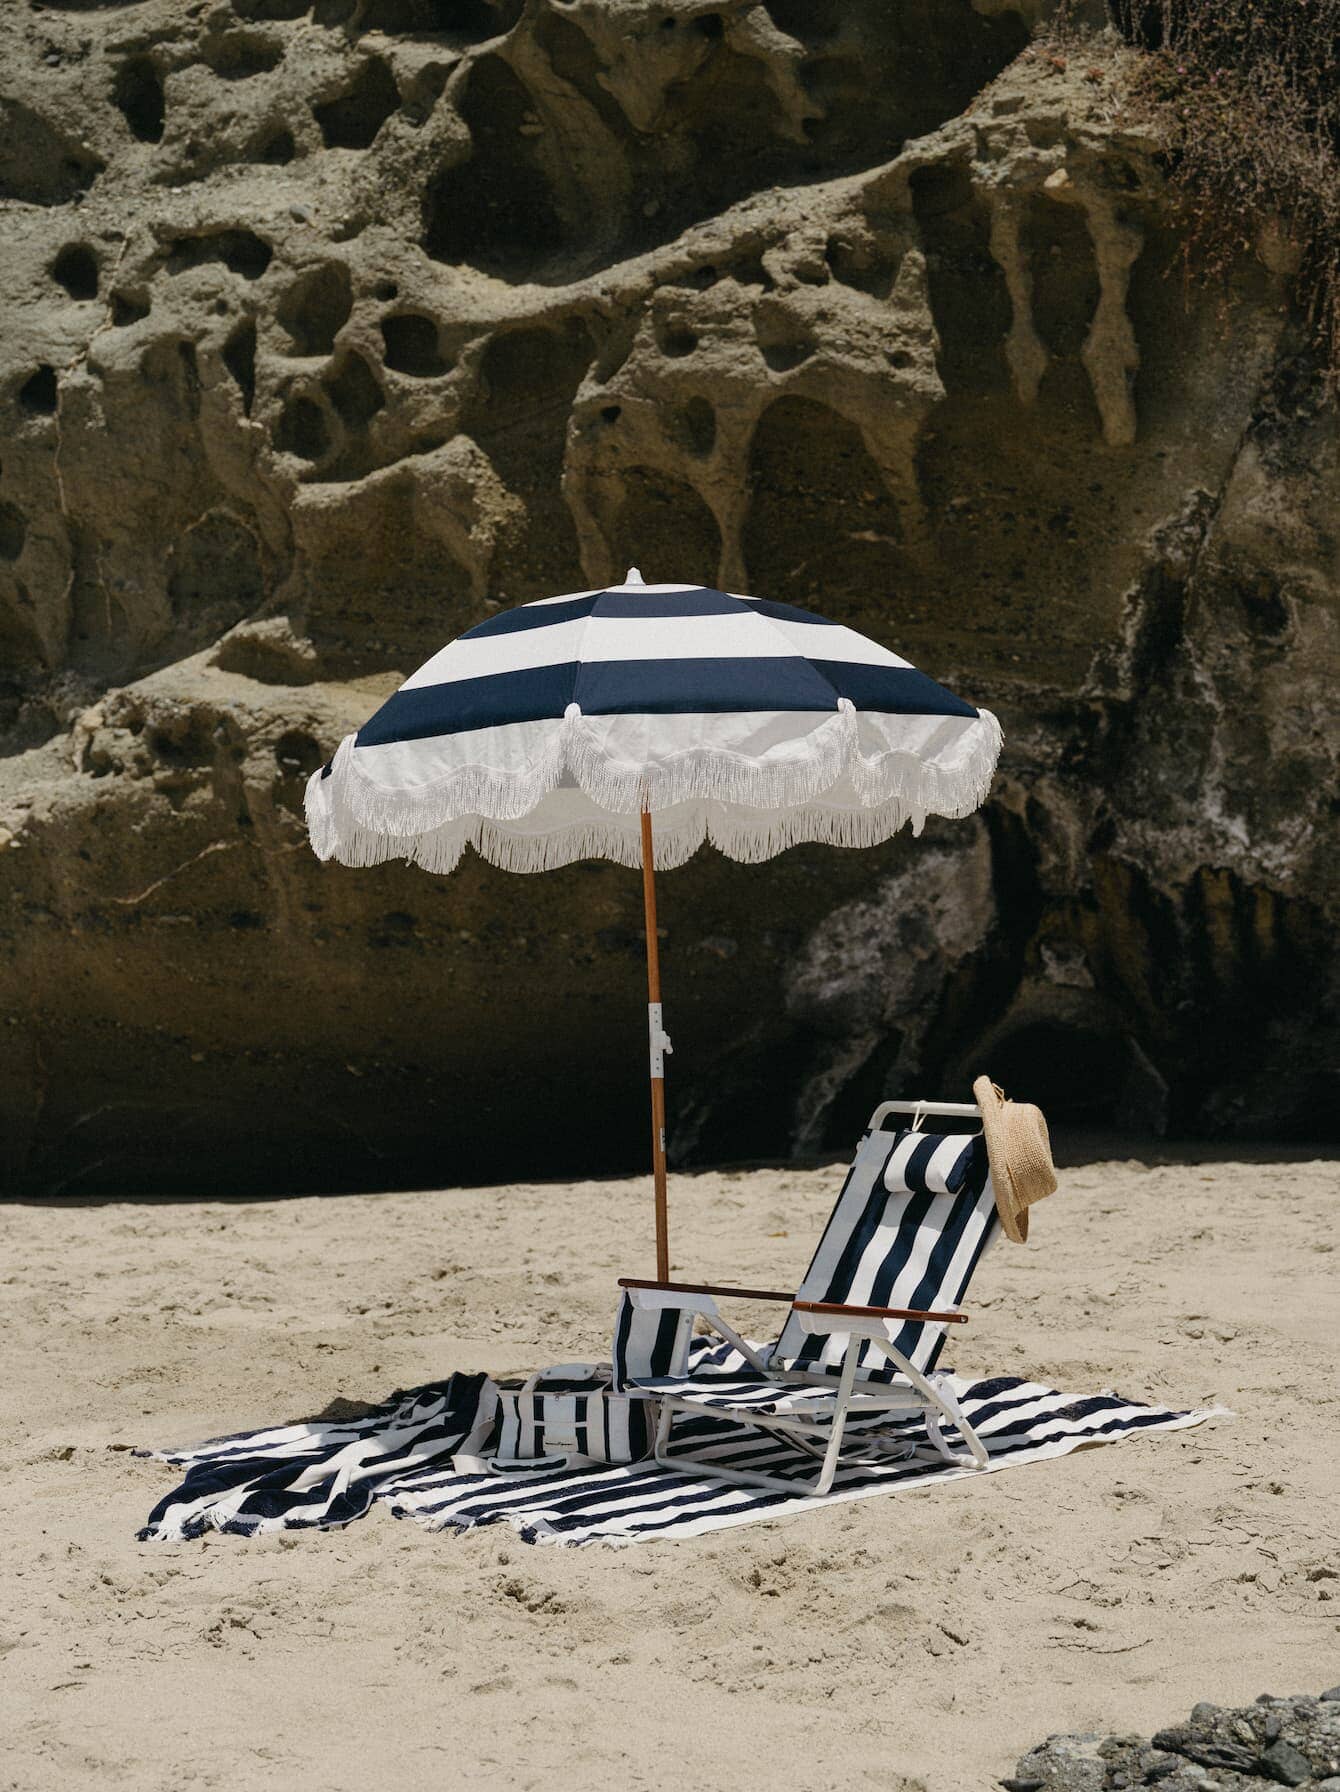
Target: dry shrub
x=1247, y=95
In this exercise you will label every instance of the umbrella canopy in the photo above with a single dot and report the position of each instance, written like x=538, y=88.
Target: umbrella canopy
x=635, y=722
x=541, y=735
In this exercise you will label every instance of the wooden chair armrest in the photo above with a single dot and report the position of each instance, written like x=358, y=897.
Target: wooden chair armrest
x=704, y=1288
x=801, y=1306
x=832, y=1306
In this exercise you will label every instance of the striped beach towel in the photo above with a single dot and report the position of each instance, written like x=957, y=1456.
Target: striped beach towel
x=423, y=1454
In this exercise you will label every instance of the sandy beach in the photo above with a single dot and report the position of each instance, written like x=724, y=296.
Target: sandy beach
x=923, y=1640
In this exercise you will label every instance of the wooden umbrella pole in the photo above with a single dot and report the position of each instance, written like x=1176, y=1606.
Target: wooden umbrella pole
x=660, y=1045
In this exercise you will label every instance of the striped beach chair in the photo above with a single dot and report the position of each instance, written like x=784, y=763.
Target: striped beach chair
x=856, y=1358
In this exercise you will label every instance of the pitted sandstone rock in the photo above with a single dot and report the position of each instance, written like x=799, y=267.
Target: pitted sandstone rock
x=332, y=326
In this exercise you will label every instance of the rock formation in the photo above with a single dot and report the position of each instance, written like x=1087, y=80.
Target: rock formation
x=331, y=325
x=1275, y=1742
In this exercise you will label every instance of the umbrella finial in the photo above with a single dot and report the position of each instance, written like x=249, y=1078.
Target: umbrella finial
x=633, y=577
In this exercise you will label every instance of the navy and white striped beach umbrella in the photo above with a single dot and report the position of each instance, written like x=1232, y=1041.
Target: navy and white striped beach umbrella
x=539, y=737
x=635, y=722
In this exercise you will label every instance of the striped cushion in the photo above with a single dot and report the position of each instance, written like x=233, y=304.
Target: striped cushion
x=914, y=1216
x=931, y=1163
x=644, y=1343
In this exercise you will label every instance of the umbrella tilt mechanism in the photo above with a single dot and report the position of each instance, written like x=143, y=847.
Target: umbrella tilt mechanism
x=658, y=1040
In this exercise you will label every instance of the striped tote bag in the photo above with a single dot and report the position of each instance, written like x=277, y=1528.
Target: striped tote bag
x=569, y=1415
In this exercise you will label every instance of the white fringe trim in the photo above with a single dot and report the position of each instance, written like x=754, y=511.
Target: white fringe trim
x=750, y=810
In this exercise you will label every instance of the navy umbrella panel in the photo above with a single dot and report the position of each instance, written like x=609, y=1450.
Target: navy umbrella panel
x=636, y=722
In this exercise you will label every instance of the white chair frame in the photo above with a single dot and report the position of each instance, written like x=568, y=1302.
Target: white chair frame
x=931, y=1395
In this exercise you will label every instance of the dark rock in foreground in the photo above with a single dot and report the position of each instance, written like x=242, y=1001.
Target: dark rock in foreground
x=1292, y=1741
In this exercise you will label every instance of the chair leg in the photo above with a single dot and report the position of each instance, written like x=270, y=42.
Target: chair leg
x=687, y=1465
x=951, y=1410
x=831, y=1454
x=937, y=1399
x=834, y=1450
x=662, y=1437
x=935, y=1432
